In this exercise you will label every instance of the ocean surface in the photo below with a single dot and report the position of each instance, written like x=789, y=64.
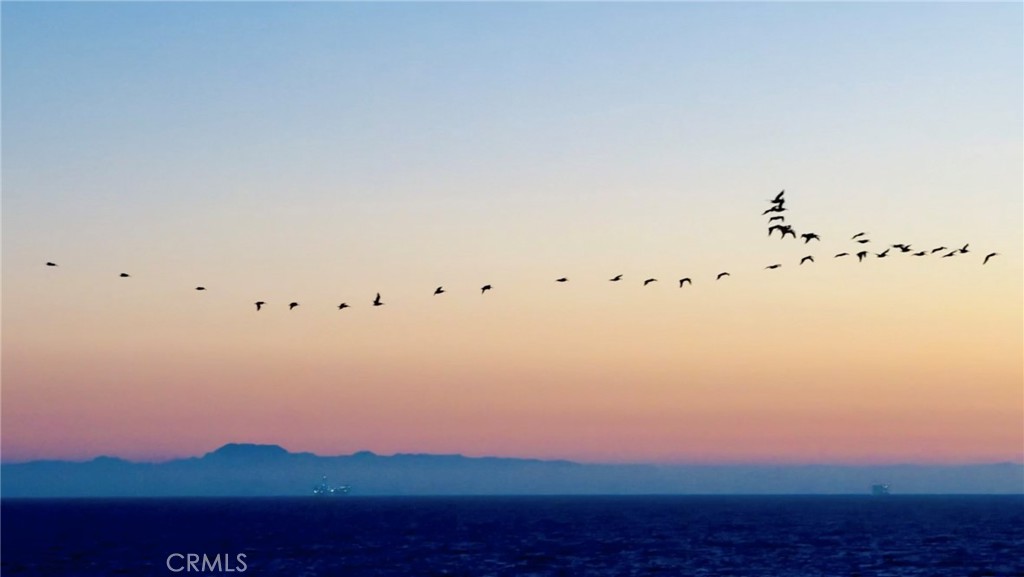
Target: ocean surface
x=956, y=536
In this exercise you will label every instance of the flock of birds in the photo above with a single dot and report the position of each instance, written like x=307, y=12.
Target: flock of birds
x=776, y=222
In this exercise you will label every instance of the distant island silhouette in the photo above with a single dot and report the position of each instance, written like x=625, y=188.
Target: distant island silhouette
x=253, y=470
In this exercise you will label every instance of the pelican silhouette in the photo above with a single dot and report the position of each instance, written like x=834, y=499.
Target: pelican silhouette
x=988, y=256
x=259, y=304
x=342, y=306
x=784, y=228
x=809, y=236
x=616, y=278
x=200, y=288
x=776, y=208
x=857, y=235
x=51, y=264
x=882, y=254
x=935, y=250
x=861, y=255
x=964, y=249
x=779, y=218
x=921, y=253
x=949, y=254
x=649, y=281
x=722, y=274
x=124, y=275
x=376, y=301
x=682, y=281
x=438, y=290
x=292, y=305
x=485, y=288
x=773, y=266
x=563, y=279
x=842, y=254
x=778, y=197
x=807, y=258
x=863, y=241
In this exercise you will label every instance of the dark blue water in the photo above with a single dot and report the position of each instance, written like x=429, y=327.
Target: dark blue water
x=520, y=536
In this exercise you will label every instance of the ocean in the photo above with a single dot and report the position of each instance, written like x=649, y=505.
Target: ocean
x=782, y=536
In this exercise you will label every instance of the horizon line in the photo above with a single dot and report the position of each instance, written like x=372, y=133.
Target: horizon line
x=370, y=453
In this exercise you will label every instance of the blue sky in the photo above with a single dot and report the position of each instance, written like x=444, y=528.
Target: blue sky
x=326, y=151
x=203, y=104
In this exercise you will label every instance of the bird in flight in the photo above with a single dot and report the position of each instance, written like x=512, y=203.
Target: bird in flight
x=863, y=241
x=902, y=247
x=809, y=236
x=722, y=274
x=259, y=304
x=964, y=249
x=784, y=228
x=342, y=306
x=988, y=256
x=124, y=275
x=883, y=254
x=920, y=253
x=682, y=281
x=51, y=264
x=935, y=250
x=807, y=258
x=779, y=218
x=776, y=208
x=616, y=278
x=854, y=237
x=376, y=301
x=563, y=279
x=649, y=281
x=292, y=305
x=438, y=290
x=200, y=288
x=485, y=288
x=842, y=254
x=949, y=254
x=778, y=197
x=861, y=255
x=773, y=266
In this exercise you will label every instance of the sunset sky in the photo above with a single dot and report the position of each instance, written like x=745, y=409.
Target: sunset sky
x=324, y=152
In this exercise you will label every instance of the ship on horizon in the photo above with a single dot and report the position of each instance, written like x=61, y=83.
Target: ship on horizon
x=325, y=490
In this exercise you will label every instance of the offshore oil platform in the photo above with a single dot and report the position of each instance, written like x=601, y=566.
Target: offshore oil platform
x=325, y=490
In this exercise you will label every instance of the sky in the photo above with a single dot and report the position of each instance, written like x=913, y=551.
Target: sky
x=324, y=152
